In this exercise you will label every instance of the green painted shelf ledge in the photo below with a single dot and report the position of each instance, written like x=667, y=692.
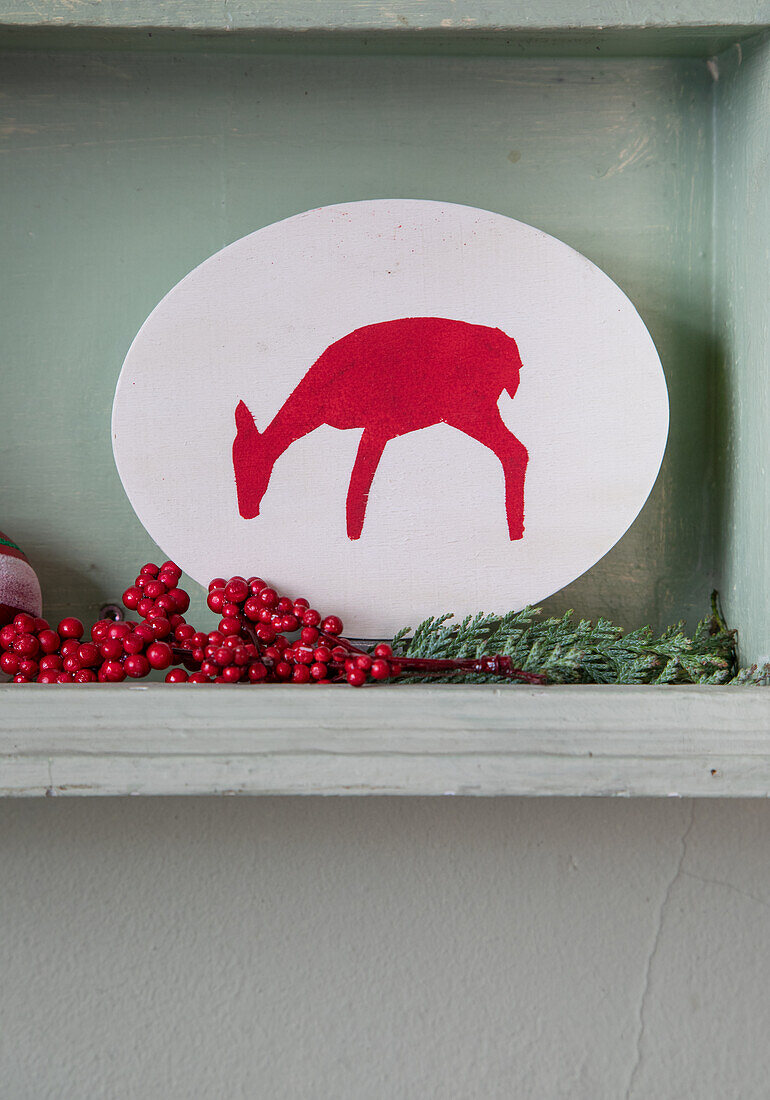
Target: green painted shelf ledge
x=443, y=740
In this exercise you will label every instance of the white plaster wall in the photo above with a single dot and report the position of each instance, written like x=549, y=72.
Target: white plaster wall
x=380, y=949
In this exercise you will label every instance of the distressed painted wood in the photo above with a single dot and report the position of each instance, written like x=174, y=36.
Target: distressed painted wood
x=373, y=14
x=742, y=292
x=442, y=740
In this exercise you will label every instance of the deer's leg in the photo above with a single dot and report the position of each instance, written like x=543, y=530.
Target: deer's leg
x=369, y=454
x=492, y=432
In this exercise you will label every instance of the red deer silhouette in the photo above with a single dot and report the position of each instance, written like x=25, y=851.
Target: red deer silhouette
x=391, y=378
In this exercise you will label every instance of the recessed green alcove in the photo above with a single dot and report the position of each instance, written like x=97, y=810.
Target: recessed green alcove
x=133, y=146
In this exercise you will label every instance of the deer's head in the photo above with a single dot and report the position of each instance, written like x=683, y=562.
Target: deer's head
x=250, y=463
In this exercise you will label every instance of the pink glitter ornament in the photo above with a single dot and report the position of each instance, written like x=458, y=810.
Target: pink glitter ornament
x=19, y=586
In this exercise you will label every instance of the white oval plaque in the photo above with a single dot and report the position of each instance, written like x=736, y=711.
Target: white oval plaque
x=393, y=408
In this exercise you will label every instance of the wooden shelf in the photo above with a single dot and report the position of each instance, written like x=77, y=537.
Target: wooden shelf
x=444, y=740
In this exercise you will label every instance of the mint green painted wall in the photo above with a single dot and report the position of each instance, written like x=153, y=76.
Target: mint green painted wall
x=123, y=171
x=742, y=313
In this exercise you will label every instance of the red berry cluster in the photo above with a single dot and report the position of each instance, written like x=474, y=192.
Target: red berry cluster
x=262, y=637
x=252, y=640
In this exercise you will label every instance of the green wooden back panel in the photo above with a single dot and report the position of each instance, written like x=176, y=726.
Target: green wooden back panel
x=122, y=171
x=742, y=314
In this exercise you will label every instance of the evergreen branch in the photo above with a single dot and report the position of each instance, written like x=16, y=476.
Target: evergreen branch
x=581, y=652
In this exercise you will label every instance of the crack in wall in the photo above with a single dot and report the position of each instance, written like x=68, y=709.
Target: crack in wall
x=652, y=953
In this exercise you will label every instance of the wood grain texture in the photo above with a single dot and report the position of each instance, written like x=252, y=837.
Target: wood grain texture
x=301, y=14
x=444, y=740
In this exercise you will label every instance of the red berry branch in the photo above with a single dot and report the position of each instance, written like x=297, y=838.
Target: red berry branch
x=261, y=638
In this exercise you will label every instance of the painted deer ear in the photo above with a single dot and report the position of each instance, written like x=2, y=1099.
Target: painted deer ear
x=244, y=421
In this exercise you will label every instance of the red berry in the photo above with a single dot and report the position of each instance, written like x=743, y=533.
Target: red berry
x=71, y=664
x=289, y=623
x=339, y=653
x=24, y=624
x=28, y=667
x=323, y=654
x=7, y=636
x=257, y=672
x=71, y=628
x=199, y=639
x=176, y=676
x=229, y=626
x=88, y=655
x=383, y=650
x=237, y=590
x=136, y=666
x=283, y=670
x=19, y=679
x=356, y=677
x=49, y=641
x=184, y=632
x=285, y=606
x=26, y=645
x=364, y=662
x=232, y=674
x=64, y=678
x=211, y=668
x=309, y=634
x=111, y=649
x=41, y=624
x=380, y=669
x=100, y=630
x=303, y=654
x=166, y=606
x=301, y=674
x=318, y=671
x=311, y=617
x=119, y=630
x=180, y=598
x=252, y=608
x=85, y=676
x=154, y=589
x=70, y=647
x=145, y=631
x=256, y=584
x=218, y=582
x=159, y=655
x=9, y=663
x=146, y=607
x=268, y=597
x=300, y=605
x=216, y=600
x=149, y=570
x=161, y=628
x=51, y=660
x=198, y=678
x=131, y=598
x=113, y=672
x=49, y=676
x=332, y=624
x=134, y=643
x=231, y=610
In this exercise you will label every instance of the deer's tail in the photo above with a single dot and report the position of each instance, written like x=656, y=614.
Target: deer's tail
x=513, y=366
x=247, y=462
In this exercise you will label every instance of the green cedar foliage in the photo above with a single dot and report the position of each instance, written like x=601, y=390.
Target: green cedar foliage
x=570, y=651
